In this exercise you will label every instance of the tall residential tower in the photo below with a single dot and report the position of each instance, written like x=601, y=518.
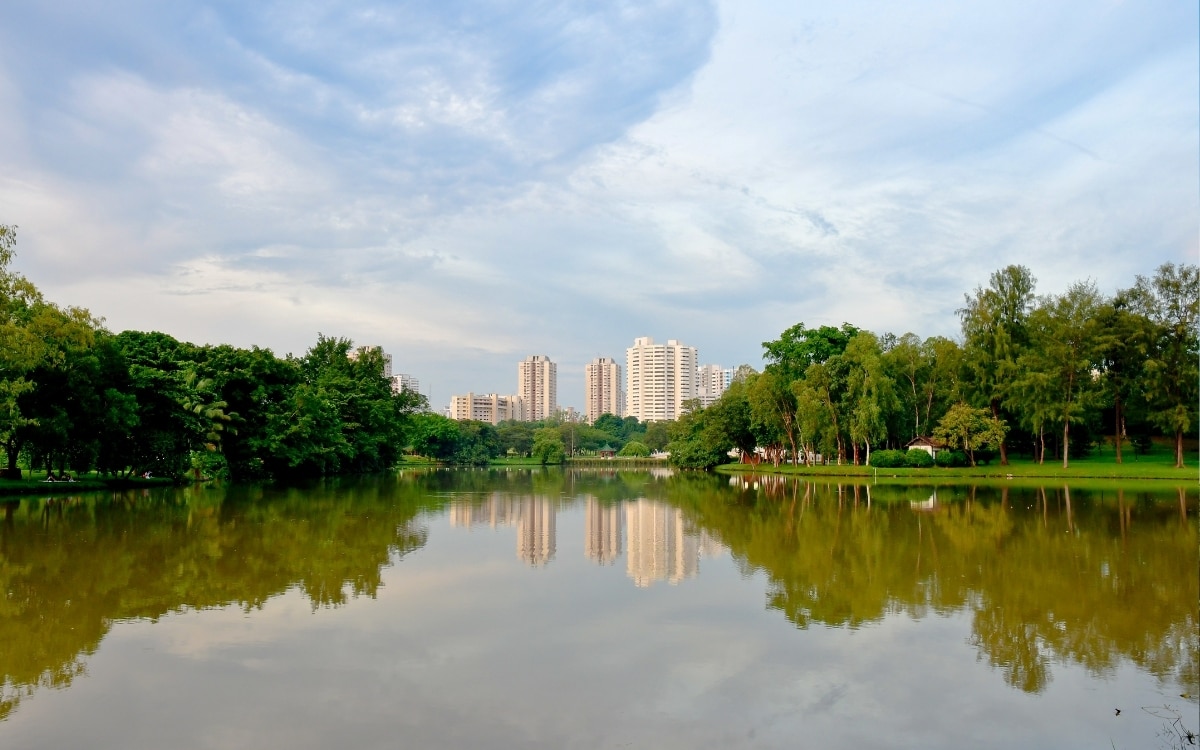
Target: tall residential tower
x=659, y=378
x=537, y=385
x=602, y=389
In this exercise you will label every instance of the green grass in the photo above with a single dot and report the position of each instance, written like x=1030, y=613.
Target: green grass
x=35, y=484
x=1101, y=466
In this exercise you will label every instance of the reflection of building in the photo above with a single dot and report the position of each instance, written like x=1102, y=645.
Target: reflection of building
x=602, y=388
x=658, y=548
x=535, y=530
x=497, y=510
x=602, y=531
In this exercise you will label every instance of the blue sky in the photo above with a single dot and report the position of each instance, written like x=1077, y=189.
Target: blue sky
x=468, y=183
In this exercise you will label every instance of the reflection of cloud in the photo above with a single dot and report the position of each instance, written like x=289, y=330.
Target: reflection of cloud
x=828, y=699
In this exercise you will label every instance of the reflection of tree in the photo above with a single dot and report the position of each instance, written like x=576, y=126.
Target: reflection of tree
x=1050, y=575
x=71, y=567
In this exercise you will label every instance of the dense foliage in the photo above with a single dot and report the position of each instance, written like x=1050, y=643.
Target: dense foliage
x=1045, y=376
x=75, y=397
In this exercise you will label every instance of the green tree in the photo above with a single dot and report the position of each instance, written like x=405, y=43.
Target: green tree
x=434, y=436
x=634, y=449
x=548, y=446
x=1122, y=358
x=970, y=428
x=870, y=393
x=995, y=332
x=1170, y=301
x=1065, y=349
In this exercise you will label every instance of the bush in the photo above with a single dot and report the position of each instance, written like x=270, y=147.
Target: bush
x=887, y=459
x=635, y=449
x=948, y=459
x=918, y=459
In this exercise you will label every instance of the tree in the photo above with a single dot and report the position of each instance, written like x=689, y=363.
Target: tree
x=970, y=428
x=730, y=416
x=798, y=347
x=548, y=446
x=634, y=449
x=870, y=392
x=1170, y=301
x=1122, y=358
x=773, y=410
x=434, y=436
x=995, y=332
x=1057, y=368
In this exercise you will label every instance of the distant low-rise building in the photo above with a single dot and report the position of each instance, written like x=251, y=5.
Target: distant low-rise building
x=492, y=408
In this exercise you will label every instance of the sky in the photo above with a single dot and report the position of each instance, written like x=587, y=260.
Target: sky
x=469, y=183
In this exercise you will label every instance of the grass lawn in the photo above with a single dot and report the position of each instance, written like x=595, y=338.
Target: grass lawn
x=35, y=484
x=1158, y=464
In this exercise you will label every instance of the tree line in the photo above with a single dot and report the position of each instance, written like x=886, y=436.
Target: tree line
x=1036, y=374
x=75, y=397
x=1046, y=376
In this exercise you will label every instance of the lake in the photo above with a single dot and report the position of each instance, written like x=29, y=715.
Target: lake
x=598, y=609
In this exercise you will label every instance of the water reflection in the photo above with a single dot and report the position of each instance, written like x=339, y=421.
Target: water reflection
x=601, y=531
x=1047, y=576
x=1050, y=574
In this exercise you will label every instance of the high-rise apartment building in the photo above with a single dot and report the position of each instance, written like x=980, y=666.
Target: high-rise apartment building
x=537, y=385
x=602, y=389
x=659, y=378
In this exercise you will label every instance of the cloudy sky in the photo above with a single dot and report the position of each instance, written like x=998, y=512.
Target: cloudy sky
x=467, y=183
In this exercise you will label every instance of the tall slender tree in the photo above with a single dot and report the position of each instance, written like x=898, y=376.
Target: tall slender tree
x=995, y=323
x=1170, y=301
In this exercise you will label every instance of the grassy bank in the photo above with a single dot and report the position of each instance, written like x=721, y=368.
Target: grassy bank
x=1158, y=464
x=35, y=484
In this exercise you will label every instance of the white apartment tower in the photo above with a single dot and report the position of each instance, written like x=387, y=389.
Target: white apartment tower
x=602, y=389
x=659, y=378
x=537, y=385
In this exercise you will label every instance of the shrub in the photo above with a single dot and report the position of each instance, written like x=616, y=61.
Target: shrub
x=887, y=459
x=635, y=449
x=918, y=459
x=948, y=459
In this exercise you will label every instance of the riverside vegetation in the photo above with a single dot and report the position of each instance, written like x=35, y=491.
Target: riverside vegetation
x=1051, y=377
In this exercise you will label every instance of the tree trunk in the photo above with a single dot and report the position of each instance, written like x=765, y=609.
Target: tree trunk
x=1003, y=446
x=1178, y=449
x=1118, y=409
x=1066, y=443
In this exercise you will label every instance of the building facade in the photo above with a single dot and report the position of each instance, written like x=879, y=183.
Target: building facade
x=659, y=378
x=491, y=408
x=405, y=382
x=602, y=389
x=537, y=385
x=711, y=382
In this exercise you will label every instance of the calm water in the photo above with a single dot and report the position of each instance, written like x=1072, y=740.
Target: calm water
x=518, y=609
